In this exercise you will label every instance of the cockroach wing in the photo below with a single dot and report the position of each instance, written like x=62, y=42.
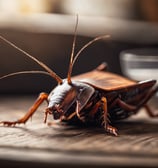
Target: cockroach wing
x=104, y=80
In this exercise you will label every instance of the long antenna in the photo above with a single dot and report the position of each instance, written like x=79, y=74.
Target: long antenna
x=72, y=54
x=25, y=72
x=52, y=73
x=85, y=46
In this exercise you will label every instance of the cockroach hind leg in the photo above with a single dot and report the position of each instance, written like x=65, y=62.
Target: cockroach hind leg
x=150, y=112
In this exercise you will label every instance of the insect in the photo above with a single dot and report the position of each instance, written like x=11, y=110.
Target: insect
x=97, y=96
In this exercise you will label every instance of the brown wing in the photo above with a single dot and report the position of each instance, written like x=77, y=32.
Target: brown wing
x=104, y=80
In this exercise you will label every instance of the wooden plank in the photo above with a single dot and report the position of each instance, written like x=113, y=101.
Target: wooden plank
x=136, y=145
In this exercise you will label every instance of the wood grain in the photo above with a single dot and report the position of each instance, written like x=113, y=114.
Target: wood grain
x=35, y=142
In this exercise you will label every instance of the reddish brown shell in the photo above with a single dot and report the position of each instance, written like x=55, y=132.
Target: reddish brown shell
x=104, y=80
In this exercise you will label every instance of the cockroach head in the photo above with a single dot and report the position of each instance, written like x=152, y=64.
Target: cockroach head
x=61, y=99
x=66, y=99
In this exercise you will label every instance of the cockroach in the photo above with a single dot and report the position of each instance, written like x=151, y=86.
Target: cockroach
x=97, y=96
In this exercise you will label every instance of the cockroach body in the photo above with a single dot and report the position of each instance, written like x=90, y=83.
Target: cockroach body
x=97, y=96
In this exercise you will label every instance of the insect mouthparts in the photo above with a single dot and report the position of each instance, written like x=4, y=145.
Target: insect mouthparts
x=57, y=111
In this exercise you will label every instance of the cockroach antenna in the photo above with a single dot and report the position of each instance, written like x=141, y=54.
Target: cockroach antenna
x=88, y=44
x=49, y=71
x=72, y=53
x=74, y=58
x=25, y=72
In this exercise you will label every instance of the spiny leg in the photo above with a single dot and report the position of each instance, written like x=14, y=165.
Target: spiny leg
x=107, y=126
x=40, y=99
x=103, y=104
x=150, y=112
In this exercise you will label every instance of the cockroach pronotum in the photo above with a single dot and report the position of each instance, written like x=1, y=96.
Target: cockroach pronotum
x=97, y=96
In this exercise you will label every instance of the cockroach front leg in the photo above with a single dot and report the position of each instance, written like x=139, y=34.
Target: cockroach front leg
x=78, y=112
x=42, y=97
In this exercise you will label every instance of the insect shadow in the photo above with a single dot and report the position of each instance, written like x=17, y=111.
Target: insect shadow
x=66, y=130
x=139, y=127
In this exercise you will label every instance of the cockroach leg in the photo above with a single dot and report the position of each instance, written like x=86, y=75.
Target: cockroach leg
x=47, y=112
x=148, y=96
x=103, y=104
x=124, y=105
x=107, y=126
x=150, y=112
x=78, y=112
x=133, y=108
x=23, y=120
x=71, y=116
x=95, y=109
x=129, y=107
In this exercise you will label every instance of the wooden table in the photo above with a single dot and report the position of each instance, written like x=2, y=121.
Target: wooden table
x=36, y=144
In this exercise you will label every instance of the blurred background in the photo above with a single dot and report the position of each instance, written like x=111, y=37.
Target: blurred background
x=45, y=29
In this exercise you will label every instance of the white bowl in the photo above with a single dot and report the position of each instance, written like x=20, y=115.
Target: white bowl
x=140, y=64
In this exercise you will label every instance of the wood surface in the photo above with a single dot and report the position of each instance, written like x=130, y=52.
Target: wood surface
x=36, y=143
